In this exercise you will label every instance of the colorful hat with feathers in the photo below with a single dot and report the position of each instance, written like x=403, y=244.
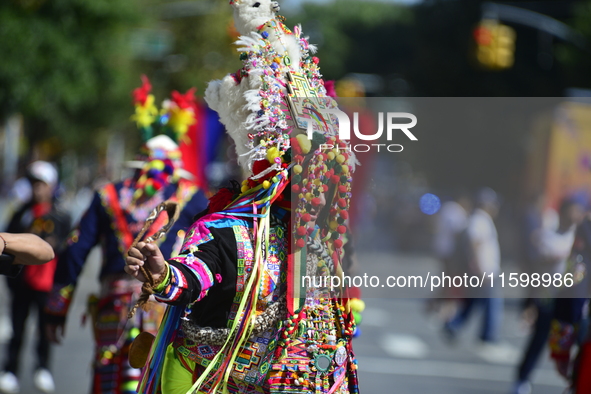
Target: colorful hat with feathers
x=161, y=131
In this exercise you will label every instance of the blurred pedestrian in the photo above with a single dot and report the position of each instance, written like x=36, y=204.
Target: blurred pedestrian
x=451, y=223
x=537, y=217
x=452, y=219
x=22, y=249
x=486, y=259
x=552, y=247
x=31, y=288
x=114, y=218
x=570, y=324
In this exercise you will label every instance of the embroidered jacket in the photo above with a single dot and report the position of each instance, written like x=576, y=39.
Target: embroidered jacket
x=310, y=352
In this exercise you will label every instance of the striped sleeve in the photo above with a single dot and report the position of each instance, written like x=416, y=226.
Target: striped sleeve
x=177, y=284
x=189, y=280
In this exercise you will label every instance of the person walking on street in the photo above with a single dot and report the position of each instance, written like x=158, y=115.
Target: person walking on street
x=486, y=258
x=31, y=288
x=553, y=248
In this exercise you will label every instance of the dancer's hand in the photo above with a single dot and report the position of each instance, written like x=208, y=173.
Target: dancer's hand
x=148, y=254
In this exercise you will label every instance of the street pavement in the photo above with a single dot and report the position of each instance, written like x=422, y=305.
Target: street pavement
x=401, y=349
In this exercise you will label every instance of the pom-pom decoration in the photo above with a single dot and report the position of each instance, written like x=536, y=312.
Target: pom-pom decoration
x=180, y=112
x=174, y=119
x=146, y=112
x=320, y=194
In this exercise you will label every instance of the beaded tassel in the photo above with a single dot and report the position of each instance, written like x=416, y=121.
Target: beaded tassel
x=318, y=383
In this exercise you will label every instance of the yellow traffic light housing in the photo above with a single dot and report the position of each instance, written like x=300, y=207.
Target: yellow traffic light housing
x=495, y=44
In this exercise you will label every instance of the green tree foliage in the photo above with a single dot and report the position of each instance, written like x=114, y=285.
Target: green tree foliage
x=206, y=42
x=65, y=64
x=577, y=60
x=199, y=48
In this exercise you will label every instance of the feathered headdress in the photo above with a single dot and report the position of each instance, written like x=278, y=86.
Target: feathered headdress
x=161, y=131
x=173, y=119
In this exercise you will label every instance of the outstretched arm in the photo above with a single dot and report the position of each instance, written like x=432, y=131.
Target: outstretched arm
x=28, y=249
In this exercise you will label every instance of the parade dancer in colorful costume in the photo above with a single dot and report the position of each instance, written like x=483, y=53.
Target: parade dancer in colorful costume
x=241, y=319
x=114, y=218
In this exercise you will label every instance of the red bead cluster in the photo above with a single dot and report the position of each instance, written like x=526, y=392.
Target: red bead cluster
x=325, y=176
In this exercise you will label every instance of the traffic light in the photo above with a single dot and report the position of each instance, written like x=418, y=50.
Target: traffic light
x=495, y=44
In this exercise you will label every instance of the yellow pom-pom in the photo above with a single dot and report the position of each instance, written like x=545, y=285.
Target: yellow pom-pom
x=244, y=188
x=305, y=143
x=297, y=169
x=340, y=159
x=330, y=155
x=266, y=184
x=157, y=164
x=345, y=169
x=357, y=305
x=272, y=153
x=309, y=196
x=333, y=225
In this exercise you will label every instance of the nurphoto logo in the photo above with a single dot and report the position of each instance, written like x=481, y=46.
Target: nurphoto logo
x=392, y=124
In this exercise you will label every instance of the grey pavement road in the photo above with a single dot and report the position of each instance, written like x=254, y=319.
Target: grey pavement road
x=400, y=351
x=71, y=360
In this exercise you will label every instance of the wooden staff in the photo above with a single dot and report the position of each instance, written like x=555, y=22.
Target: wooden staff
x=172, y=209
